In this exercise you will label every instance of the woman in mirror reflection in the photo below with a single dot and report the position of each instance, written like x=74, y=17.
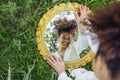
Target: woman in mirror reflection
x=70, y=43
x=106, y=64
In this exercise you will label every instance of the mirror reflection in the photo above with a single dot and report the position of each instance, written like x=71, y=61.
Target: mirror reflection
x=62, y=37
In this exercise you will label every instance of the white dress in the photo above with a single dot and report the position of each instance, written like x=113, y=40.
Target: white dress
x=75, y=48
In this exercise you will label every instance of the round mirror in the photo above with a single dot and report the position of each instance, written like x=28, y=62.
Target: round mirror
x=76, y=48
x=77, y=53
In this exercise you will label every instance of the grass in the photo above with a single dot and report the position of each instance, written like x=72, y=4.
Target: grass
x=19, y=57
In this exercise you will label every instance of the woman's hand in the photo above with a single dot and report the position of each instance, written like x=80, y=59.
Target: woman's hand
x=82, y=16
x=56, y=63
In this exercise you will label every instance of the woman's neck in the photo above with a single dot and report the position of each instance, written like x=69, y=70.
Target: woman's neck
x=61, y=52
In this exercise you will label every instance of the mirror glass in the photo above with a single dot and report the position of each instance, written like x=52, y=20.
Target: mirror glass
x=77, y=48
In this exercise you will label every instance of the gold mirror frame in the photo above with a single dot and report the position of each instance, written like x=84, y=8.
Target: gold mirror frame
x=41, y=30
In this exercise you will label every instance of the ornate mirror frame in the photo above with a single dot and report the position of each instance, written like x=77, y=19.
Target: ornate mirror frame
x=41, y=30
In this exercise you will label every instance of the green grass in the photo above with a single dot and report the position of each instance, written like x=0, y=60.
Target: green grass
x=19, y=57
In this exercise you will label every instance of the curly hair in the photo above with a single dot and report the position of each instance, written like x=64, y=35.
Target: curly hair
x=106, y=24
x=64, y=25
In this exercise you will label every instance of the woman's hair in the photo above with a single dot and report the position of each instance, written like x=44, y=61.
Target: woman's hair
x=64, y=25
x=106, y=24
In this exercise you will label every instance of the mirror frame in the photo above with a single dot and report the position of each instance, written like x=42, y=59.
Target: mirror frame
x=41, y=30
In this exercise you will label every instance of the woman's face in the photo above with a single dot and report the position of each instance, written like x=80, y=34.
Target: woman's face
x=64, y=40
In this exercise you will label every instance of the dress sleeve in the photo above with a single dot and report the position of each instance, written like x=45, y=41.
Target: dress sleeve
x=92, y=38
x=75, y=48
x=93, y=41
x=81, y=43
x=63, y=76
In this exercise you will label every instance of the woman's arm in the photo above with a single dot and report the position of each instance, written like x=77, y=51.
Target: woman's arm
x=82, y=18
x=84, y=26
